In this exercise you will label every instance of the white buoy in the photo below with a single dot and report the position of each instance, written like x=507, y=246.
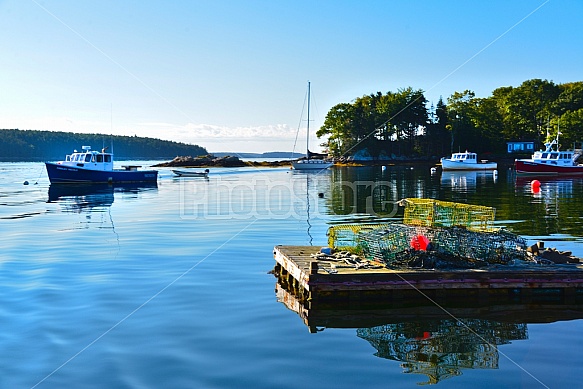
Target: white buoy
x=433, y=169
x=384, y=168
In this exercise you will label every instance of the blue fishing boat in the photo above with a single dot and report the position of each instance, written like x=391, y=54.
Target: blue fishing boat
x=90, y=166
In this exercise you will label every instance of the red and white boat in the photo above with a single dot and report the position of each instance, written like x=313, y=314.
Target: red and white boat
x=551, y=161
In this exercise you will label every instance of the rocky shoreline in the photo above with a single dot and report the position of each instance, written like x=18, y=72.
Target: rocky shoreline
x=233, y=161
x=212, y=161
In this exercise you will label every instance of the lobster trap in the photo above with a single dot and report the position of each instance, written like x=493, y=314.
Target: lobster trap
x=436, y=213
x=433, y=234
x=347, y=237
x=401, y=245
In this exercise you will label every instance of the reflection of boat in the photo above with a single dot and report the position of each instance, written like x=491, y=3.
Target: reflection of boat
x=459, y=180
x=79, y=196
x=464, y=180
x=90, y=166
x=466, y=161
x=551, y=181
x=310, y=163
x=551, y=161
x=191, y=173
x=315, y=186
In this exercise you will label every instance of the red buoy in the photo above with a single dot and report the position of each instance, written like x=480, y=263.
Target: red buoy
x=419, y=242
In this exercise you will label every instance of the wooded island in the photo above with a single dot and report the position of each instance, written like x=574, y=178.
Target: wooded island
x=399, y=123
x=31, y=145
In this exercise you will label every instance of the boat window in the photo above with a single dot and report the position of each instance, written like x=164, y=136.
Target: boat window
x=87, y=157
x=107, y=157
x=554, y=156
x=99, y=157
x=68, y=158
x=545, y=155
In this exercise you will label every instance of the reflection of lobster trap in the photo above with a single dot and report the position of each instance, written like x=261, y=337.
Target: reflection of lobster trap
x=397, y=244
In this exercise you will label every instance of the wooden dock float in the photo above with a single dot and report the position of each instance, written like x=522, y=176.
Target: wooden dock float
x=314, y=280
x=504, y=312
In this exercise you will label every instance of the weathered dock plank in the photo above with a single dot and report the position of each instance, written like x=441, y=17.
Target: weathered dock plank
x=305, y=272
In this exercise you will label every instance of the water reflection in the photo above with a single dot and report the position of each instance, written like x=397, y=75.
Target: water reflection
x=370, y=194
x=549, y=189
x=91, y=197
x=310, y=187
x=465, y=181
x=552, y=205
x=440, y=349
x=436, y=341
x=367, y=191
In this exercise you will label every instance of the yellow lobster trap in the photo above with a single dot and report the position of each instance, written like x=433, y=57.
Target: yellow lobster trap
x=420, y=213
x=436, y=213
x=348, y=237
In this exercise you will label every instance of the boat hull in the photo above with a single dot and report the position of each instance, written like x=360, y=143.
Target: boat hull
x=535, y=168
x=311, y=164
x=183, y=173
x=458, y=165
x=62, y=174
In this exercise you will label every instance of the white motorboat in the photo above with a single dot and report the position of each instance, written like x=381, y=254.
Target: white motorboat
x=466, y=161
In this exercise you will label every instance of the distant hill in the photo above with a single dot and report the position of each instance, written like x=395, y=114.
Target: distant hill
x=271, y=154
x=32, y=145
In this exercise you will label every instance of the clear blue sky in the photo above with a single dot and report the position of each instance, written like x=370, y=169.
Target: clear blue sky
x=232, y=75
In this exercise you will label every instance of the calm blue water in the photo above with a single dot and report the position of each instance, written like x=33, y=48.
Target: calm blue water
x=169, y=286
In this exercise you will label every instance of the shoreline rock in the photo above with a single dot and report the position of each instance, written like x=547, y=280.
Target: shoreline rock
x=212, y=161
x=203, y=161
x=233, y=161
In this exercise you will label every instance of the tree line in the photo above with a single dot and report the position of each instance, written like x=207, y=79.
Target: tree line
x=32, y=145
x=400, y=123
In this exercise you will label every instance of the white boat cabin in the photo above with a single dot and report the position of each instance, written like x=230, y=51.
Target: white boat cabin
x=466, y=157
x=89, y=159
x=559, y=158
x=554, y=156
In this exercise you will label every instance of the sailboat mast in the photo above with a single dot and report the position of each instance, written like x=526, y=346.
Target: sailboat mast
x=308, y=127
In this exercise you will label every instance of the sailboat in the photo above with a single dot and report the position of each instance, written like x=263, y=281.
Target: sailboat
x=310, y=163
